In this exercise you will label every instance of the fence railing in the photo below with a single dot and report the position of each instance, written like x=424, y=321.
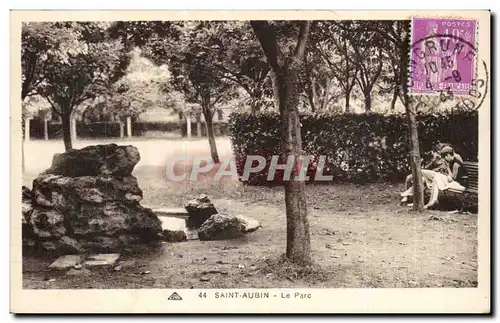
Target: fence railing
x=115, y=129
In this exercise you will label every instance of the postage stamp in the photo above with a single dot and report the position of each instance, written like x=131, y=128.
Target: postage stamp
x=443, y=55
x=250, y=162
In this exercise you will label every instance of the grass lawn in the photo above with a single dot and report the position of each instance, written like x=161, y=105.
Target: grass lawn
x=360, y=237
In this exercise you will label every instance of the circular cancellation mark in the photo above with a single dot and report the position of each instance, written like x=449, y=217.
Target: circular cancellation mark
x=446, y=65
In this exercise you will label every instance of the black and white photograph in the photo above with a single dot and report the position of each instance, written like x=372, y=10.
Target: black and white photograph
x=236, y=157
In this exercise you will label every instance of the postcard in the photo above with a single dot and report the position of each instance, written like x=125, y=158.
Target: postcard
x=250, y=162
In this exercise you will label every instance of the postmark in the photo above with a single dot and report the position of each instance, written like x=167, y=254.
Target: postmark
x=444, y=62
x=443, y=55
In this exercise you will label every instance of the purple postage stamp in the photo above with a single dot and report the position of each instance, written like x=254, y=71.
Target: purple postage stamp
x=443, y=55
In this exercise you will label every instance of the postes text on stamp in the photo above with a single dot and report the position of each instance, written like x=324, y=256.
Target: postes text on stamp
x=443, y=55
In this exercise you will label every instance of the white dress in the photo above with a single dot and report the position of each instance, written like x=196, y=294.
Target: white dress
x=443, y=182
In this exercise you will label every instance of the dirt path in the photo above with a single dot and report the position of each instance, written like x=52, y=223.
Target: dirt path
x=360, y=237
x=352, y=249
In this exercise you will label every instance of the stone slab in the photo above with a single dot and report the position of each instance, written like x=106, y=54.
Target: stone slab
x=66, y=261
x=249, y=224
x=102, y=259
x=171, y=212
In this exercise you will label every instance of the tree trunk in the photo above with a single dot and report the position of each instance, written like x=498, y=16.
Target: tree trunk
x=66, y=129
x=313, y=96
x=298, y=247
x=210, y=134
x=418, y=184
x=368, y=102
x=187, y=115
x=73, y=127
x=198, y=125
x=23, y=164
x=311, y=103
x=129, y=127
x=45, y=129
x=23, y=96
x=274, y=83
x=347, y=99
x=255, y=101
x=326, y=95
x=394, y=98
x=27, y=126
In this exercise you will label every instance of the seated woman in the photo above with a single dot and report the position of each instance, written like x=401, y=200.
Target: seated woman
x=443, y=175
x=448, y=177
x=434, y=164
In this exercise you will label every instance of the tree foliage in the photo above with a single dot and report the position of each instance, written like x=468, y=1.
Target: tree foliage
x=80, y=67
x=333, y=45
x=41, y=43
x=141, y=88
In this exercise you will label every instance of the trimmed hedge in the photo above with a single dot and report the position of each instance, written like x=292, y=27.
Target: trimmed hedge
x=37, y=132
x=140, y=128
x=360, y=148
x=111, y=129
x=220, y=129
x=108, y=129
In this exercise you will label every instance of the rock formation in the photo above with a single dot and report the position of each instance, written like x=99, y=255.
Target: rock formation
x=221, y=227
x=88, y=200
x=199, y=210
x=212, y=225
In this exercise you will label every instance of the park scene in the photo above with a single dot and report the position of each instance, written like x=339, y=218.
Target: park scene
x=244, y=154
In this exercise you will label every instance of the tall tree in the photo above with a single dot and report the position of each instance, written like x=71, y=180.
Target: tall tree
x=41, y=41
x=334, y=46
x=141, y=88
x=242, y=61
x=87, y=72
x=390, y=78
x=411, y=111
x=317, y=80
x=397, y=39
x=367, y=49
x=397, y=34
x=193, y=54
x=285, y=62
x=154, y=38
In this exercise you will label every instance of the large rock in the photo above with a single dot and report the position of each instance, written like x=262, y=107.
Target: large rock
x=99, y=160
x=88, y=201
x=26, y=210
x=199, y=210
x=47, y=223
x=67, y=193
x=220, y=227
x=108, y=220
x=114, y=219
x=26, y=194
x=69, y=245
